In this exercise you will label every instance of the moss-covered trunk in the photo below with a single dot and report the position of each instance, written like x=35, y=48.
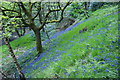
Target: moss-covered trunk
x=38, y=40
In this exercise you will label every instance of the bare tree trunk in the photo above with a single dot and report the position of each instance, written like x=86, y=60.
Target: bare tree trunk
x=43, y=29
x=22, y=77
x=38, y=40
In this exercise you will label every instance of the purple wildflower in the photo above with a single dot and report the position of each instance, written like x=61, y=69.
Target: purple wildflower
x=116, y=63
x=69, y=54
x=111, y=46
x=83, y=66
x=101, y=63
x=108, y=53
x=68, y=74
x=112, y=65
x=117, y=57
x=107, y=59
x=96, y=58
x=91, y=62
x=100, y=69
x=107, y=70
x=100, y=48
x=84, y=70
x=101, y=43
x=101, y=51
x=113, y=41
x=94, y=70
x=81, y=40
x=92, y=67
x=59, y=66
x=83, y=74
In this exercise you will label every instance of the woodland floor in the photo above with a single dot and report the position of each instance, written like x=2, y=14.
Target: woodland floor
x=70, y=54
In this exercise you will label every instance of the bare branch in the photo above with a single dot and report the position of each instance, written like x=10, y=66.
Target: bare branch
x=3, y=12
x=52, y=21
x=24, y=9
x=33, y=4
x=10, y=10
x=38, y=10
x=36, y=15
x=59, y=5
x=20, y=13
x=5, y=9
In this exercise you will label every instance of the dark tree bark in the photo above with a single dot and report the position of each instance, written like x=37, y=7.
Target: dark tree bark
x=29, y=20
x=22, y=77
x=38, y=41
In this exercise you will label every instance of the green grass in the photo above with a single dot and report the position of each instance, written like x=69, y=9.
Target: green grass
x=23, y=43
x=79, y=55
x=20, y=46
x=78, y=61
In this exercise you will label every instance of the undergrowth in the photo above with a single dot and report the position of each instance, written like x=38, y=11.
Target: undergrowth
x=90, y=54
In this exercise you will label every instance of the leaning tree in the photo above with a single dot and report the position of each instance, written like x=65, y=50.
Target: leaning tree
x=28, y=12
x=8, y=25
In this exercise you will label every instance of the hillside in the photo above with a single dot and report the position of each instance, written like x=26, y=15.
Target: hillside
x=87, y=49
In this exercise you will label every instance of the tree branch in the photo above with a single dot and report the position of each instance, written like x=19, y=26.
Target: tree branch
x=3, y=12
x=10, y=10
x=59, y=5
x=24, y=9
x=20, y=13
x=36, y=15
x=52, y=21
x=33, y=4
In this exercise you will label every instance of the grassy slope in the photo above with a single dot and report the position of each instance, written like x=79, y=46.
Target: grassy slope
x=19, y=46
x=90, y=54
x=93, y=52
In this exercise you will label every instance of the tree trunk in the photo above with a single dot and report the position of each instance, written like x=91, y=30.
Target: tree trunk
x=38, y=40
x=17, y=32
x=22, y=77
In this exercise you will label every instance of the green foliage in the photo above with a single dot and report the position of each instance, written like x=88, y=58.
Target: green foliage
x=77, y=10
x=8, y=25
x=80, y=61
x=91, y=54
x=25, y=43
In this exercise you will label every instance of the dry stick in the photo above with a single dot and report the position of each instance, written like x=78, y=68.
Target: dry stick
x=3, y=74
x=22, y=77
